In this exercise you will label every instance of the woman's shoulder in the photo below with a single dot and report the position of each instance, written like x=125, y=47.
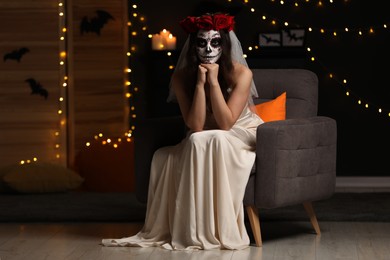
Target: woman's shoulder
x=240, y=69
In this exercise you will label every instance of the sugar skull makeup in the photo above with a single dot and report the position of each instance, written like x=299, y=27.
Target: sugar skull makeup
x=208, y=46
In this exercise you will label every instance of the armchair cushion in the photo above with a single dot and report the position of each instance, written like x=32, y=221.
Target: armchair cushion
x=273, y=110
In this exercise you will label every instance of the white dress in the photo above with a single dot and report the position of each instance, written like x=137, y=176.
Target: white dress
x=196, y=191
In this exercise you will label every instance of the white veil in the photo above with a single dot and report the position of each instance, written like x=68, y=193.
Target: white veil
x=236, y=53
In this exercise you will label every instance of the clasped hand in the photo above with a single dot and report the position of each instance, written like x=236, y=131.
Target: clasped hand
x=208, y=73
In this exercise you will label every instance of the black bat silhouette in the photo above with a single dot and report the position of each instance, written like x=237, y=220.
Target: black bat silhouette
x=269, y=39
x=293, y=36
x=36, y=88
x=16, y=54
x=95, y=24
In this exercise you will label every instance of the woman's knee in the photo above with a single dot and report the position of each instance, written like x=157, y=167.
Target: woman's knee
x=206, y=137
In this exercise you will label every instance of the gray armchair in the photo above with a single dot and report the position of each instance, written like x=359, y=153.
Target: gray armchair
x=295, y=158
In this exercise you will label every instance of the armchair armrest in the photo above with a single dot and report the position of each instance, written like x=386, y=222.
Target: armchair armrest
x=151, y=134
x=296, y=161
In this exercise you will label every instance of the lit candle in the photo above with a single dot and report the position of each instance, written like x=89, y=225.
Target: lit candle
x=163, y=41
x=164, y=37
x=165, y=33
x=157, y=42
x=171, y=42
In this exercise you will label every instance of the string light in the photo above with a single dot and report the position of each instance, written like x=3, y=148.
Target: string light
x=61, y=139
x=135, y=24
x=360, y=32
x=297, y=3
x=99, y=139
x=348, y=91
x=35, y=159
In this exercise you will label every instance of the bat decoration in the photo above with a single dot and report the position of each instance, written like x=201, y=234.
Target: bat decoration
x=36, y=88
x=16, y=54
x=293, y=36
x=96, y=23
x=270, y=39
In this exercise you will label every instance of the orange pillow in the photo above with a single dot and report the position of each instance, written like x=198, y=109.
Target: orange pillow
x=273, y=110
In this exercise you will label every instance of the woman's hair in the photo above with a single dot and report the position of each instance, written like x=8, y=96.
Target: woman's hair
x=225, y=62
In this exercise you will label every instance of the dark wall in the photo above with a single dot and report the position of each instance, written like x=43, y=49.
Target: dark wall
x=363, y=134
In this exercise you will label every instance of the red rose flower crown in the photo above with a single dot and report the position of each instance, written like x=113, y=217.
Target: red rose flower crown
x=215, y=22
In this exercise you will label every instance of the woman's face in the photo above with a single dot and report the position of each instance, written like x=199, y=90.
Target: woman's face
x=208, y=46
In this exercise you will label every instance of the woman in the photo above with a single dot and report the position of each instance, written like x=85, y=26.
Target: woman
x=197, y=187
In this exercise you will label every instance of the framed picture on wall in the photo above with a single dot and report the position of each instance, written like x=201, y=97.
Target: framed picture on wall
x=293, y=37
x=270, y=40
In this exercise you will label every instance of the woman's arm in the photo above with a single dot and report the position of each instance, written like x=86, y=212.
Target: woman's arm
x=193, y=111
x=227, y=113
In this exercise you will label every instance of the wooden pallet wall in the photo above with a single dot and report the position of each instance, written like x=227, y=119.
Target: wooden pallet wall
x=99, y=60
x=29, y=123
